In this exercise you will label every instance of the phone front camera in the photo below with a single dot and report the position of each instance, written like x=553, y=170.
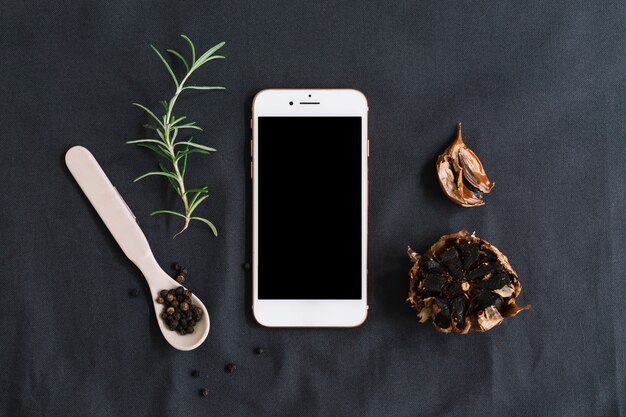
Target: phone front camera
x=291, y=103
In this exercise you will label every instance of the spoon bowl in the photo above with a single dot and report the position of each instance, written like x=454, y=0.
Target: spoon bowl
x=159, y=280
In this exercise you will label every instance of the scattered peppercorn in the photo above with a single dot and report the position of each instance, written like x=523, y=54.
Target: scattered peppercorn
x=204, y=392
x=179, y=268
x=179, y=313
x=230, y=368
x=180, y=278
x=259, y=351
x=195, y=373
x=134, y=292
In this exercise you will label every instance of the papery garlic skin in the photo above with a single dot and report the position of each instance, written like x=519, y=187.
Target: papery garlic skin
x=461, y=174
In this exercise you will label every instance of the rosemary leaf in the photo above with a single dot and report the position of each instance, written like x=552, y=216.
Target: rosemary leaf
x=179, y=56
x=197, y=145
x=208, y=223
x=167, y=212
x=169, y=69
x=145, y=141
x=197, y=190
x=207, y=54
x=193, y=48
x=147, y=174
x=157, y=149
x=188, y=126
x=196, y=202
x=202, y=87
x=141, y=106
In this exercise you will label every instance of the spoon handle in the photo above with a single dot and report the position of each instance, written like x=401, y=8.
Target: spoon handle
x=109, y=204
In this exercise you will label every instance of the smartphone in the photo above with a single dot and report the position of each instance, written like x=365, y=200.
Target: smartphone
x=309, y=181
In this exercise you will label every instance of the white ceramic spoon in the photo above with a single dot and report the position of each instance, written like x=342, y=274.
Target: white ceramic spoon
x=121, y=223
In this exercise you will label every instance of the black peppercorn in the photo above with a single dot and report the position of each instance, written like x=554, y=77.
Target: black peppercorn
x=177, y=316
x=259, y=350
x=183, y=270
x=183, y=332
x=180, y=290
x=180, y=278
x=134, y=292
x=174, y=303
x=195, y=373
x=170, y=311
x=175, y=266
x=163, y=293
x=204, y=392
x=160, y=300
x=170, y=298
x=189, y=329
x=230, y=368
x=184, y=306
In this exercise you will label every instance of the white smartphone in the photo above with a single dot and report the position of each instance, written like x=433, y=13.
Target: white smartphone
x=309, y=175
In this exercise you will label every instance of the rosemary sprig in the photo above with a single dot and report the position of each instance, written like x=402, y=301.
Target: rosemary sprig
x=171, y=143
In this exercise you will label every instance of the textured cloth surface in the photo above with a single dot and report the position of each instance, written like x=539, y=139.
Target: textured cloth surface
x=540, y=88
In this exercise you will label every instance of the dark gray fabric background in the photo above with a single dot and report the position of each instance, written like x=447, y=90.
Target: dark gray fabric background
x=540, y=89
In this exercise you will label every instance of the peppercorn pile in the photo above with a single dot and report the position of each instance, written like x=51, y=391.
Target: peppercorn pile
x=464, y=284
x=179, y=313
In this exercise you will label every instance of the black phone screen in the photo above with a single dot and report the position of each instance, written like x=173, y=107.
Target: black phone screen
x=309, y=207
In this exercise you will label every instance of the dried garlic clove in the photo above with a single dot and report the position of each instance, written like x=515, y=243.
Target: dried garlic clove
x=489, y=318
x=463, y=284
x=448, y=183
x=473, y=170
x=470, y=198
x=461, y=174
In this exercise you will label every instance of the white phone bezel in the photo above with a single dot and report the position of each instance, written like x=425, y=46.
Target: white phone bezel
x=309, y=313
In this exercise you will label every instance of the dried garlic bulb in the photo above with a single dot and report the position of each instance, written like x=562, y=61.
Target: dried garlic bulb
x=464, y=284
x=461, y=174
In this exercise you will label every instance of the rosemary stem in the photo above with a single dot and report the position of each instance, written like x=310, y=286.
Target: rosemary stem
x=179, y=177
